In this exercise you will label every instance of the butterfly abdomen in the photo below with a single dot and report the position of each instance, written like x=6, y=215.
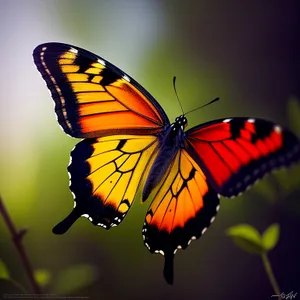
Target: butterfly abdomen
x=169, y=146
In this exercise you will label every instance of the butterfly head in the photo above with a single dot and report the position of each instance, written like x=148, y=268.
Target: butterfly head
x=180, y=122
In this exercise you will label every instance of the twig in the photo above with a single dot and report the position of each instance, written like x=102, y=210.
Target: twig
x=17, y=239
x=270, y=274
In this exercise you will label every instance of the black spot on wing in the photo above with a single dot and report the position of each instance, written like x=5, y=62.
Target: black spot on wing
x=121, y=144
x=91, y=77
x=191, y=174
x=262, y=130
x=126, y=202
x=83, y=62
x=109, y=77
x=235, y=127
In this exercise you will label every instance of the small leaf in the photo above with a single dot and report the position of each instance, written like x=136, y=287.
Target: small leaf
x=4, y=274
x=42, y=277
x=246, y=237
x=270, y=237
x=294, y=114
x=75, y=278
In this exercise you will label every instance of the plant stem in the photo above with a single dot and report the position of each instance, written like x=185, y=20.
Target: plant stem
x=18, y=244
x=270, y=274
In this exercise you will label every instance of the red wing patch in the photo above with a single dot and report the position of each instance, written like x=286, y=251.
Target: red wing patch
x=235, y=152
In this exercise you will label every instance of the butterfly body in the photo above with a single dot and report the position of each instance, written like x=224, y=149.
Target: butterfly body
x=129, y=144
x=171, y=140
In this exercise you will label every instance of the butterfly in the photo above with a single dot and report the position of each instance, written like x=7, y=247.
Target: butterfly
x=129, y=144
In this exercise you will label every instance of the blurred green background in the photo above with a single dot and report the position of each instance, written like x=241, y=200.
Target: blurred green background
x=243, y=52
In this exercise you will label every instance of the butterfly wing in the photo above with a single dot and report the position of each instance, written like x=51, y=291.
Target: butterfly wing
x=182, y=209
x=96, y=100
x=105, y=174
x=93, y=97
x=234, y=153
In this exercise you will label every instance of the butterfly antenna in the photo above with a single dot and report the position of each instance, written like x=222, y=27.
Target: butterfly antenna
x=174, y=85
x=210, y=102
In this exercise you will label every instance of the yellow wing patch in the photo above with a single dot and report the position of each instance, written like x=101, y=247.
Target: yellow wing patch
x=109, y=170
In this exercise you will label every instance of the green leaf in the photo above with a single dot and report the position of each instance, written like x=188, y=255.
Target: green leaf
x=270, y=237
x=75, y=278
x=42, y=277
x=4, y=274
x=294, y=114
x=247, y=238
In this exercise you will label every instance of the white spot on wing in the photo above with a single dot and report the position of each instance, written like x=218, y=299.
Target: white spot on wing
x=74, y=204
x=101, y=62
x=251, y=120
x=126, y=78
x=203, y=230
x=85, y=215
x=73, y=50
x=217, y=208
x=91, y=219
x=212, y=219
x=70, y=160
x=161, y=252
x=227, y=120
x=277, y=128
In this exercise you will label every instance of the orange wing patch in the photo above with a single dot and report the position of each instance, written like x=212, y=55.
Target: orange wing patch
x=183, y=207
x=94, y=98
x=175, y=202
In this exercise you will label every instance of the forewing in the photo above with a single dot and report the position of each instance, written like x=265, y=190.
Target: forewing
x=93, y=97
x=236, y=152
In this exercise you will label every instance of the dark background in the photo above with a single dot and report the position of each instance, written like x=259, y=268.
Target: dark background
x=245, y=52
